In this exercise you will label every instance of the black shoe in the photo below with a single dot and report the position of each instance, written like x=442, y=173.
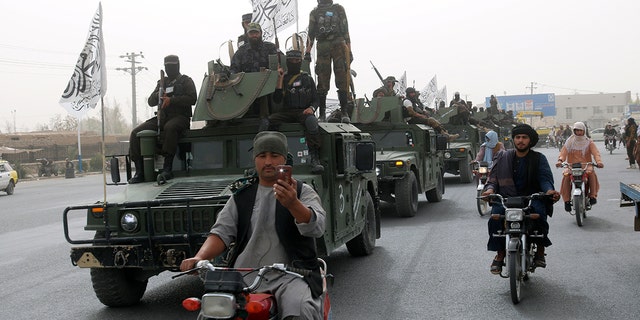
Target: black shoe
x=540, y=261
x=496, y=266
x=593, y=201
x=567, y=206
x=137, y=178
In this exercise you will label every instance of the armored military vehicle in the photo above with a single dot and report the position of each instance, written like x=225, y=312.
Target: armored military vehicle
x=150, y=227
x=463, y=150
x=409, y=157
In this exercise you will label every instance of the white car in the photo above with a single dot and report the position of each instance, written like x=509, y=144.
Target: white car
x=597, y=134
x=8, y=177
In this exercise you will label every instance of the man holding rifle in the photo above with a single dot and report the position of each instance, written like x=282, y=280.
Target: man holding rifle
x=174, y=95
x=329, y=26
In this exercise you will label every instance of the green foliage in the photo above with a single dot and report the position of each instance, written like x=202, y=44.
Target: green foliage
x=95, y=164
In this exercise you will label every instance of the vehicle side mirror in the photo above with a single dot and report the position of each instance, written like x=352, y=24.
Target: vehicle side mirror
x=365, y=156
x=115, y=170
x=441, y=142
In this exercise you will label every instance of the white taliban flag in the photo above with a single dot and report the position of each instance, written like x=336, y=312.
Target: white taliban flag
x=428, y=94
x=89, y=80
x=442, y=96
x=265, y=12
x=401, y=86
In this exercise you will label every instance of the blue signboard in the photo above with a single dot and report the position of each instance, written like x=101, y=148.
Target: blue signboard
x=545, y=102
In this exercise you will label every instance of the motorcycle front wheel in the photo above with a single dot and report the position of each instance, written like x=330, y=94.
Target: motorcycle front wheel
x=515, y=274
x=578, y=207
x=483, y=206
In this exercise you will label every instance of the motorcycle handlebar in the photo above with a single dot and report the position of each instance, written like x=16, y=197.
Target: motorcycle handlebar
x=501, y=200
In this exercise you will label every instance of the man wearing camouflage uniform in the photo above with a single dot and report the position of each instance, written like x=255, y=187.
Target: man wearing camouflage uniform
x=414, y=111
x=387, y=89
x=251, y=57
x=328, y=25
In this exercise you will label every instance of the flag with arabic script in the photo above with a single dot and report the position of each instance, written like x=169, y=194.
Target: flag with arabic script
x=89, y=80
x=442, y=95
x=265, y=12
x=401, y=86
x=428, y=94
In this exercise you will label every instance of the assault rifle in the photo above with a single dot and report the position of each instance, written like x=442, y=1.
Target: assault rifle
x=161, y=94
x=377, y=72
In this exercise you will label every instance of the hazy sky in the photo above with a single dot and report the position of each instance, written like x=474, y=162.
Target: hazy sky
x=476, y=47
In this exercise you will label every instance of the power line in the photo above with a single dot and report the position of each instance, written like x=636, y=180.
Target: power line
x=133, y=70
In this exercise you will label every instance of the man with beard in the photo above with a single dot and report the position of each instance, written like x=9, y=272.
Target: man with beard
x=175, y=113
x=521, y=172
x=579, y=149
x=413, y=110
x=297, y=92
x=329, y=26
x=251, y=57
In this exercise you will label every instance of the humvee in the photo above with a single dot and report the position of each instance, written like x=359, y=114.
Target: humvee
x=150, y=227
x=409, y=157
x=463, y=150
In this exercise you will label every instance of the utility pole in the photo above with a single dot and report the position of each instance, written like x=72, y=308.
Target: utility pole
x=532, y=87
x=14, y=120
x=133, y=70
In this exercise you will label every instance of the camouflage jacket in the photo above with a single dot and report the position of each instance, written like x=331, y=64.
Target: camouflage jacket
x=249, y=59
x=328, y=23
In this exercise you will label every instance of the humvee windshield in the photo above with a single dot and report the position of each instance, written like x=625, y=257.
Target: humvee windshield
x=392, y=139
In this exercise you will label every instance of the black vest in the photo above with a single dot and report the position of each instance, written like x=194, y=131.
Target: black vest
x=300, y=249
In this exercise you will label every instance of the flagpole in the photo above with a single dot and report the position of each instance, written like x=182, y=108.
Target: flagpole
x=79, y=147
x=104, y=161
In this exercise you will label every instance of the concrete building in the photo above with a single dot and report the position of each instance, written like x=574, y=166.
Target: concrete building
x=594, y=109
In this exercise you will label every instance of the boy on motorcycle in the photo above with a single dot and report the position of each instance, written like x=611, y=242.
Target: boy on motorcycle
x=518, y=172
x=579, y=149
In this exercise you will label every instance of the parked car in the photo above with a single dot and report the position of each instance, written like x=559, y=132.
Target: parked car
x=597, y=134
x=8, y=177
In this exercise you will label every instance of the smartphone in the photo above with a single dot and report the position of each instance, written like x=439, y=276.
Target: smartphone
x=284, y=173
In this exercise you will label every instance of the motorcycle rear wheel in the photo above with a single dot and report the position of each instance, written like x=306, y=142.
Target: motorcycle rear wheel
x=579, y=209
x=515, y=274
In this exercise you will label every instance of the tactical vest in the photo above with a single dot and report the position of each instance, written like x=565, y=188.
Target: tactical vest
x=300, y=249
x=298, y=91
x=329, y=22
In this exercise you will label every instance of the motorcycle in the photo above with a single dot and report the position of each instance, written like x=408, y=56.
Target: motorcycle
x=481, y=171
x=609, y=143
x=520, y=250
x=560, y=142
x=579, y=190
x=226, y=297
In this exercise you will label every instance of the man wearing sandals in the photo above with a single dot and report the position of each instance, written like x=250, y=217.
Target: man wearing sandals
x=519, y=172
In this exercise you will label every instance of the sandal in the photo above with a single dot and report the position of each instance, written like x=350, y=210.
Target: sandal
x=496, y=266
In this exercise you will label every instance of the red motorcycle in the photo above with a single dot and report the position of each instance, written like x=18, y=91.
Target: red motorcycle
x=226, y=297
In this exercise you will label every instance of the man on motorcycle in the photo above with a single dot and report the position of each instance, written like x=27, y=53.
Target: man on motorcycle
x=579, y=149
x=519, y=172
x=610, y=133
x=272, y=221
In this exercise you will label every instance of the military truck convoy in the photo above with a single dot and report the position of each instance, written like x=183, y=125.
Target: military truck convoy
x=150, y=228
x=409, y=157
x=463, y=150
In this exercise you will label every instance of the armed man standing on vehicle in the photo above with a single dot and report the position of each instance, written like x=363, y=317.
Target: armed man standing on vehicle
x=272, y=221
x=174, y=114
x=251, y=57
x=329, y=26
x=387, y=88
x=521, y=172
x=298, y=91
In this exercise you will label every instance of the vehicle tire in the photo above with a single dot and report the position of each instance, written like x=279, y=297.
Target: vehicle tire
x=466, y=176
x=10, y=188
x=117, y=287
x=435, y=194
x=578, y=207
x=483, y=206
x=515, y=274
x=406, y=192
x=365, y=242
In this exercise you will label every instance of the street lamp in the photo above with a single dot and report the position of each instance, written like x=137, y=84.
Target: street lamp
x=14, y=120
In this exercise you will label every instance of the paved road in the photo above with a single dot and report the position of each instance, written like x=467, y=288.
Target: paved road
x=432, y=266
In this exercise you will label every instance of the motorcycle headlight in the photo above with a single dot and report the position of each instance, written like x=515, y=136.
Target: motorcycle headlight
x=576, y=172
x=218, y=305
x=483, y=170
x=514, y=215
x=447, y=155
x=378, y=170
x=129, y=222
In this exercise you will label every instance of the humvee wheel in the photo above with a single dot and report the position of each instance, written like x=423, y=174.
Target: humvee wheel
x=406, y=191
x=117, y=287
x=365, y=242
x=466, y=176
x=435, y=194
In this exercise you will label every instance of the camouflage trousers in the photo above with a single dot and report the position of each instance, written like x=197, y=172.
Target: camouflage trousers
x=327, y=51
